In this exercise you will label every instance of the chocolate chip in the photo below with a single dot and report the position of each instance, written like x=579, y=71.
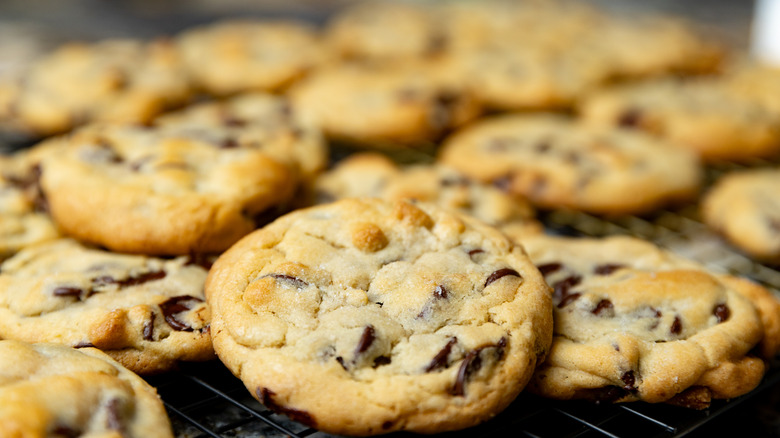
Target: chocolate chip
x=266, y=397
x=629, y=381
x=366, y=339
x=293, y=281
x=722, y=312
x=387, y=425
x=441, y=358
x=676, y=328
x=694, y=397
x=341, y=362
x=381, y=361
x=440, y=292
x=548, y=268
x=607, y=268
x=630, y=118
x=131, y=280
x=605, y=394
x=380, y=304
x=149, y=327
x=176, y=305
x=604, y=306
x=472, y=363
x=62, y=431
x=68, y=291
x=567, y=299
x=113, y=417
x=501, y=273
x=474, y=252
x=562, y=287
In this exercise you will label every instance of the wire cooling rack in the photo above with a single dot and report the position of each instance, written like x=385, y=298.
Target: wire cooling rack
x=205, y=400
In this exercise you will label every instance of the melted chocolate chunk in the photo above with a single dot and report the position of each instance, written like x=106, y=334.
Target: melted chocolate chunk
x=148, y=332
x=501, y=273
x=366, y=339
x=441, y=358
x=676, y=328
x=604, y=306
x=387, y=425
x=630, y=118
x=695, y=397
x=607, y=269
x=266, y=397
x=473, y=363
x=381, y=361
x=68, y=291
x=440, y=292
x=629, y=381
x=548, y=268
x=293, y=281
x=113, y=417
x=474, y=252
x=567, y=299
x=172, y=307
x=130, y=281
x=722, y=312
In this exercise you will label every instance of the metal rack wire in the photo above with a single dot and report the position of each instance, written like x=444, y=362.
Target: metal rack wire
x=205, y=400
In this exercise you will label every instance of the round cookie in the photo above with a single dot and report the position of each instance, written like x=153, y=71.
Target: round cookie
x=745, y=208
x=258, y=121
x=385, y=31
x=633, y=322
x=402, y=105
x=373, y=174
x=160, y=191
x=113, y=80
x=51, y=390
x=146, y=313
x=556, y=162
x=366, y=316
x=236, y=56
x=703, y=115
x=23, y=220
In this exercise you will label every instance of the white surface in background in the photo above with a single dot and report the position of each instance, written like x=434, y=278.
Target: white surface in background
x=766, y=31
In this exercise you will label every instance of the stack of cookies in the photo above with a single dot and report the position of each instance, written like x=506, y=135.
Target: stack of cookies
x=198, y=204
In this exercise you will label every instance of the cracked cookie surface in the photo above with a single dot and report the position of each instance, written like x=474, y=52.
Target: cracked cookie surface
x=557, y=162
x=160, y=190
x=52, y=390
x=367, y=316
x=633, y=322
x=147, y=313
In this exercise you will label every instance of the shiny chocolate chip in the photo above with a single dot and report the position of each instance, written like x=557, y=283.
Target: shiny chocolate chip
x=148, y=331
x=441, y=359
x=381, y=361
x=440, y=292
x=568, y=299
x=172, y=307
x=113, y=416
x=629, y=381
x=68, y=291
x=266, y=397
x=366, y=339
x=501, y=273
x=722, y=312
x=548, y=268
x=133, y=280
x=561, y=288
x=604, y=307
x=472, y=363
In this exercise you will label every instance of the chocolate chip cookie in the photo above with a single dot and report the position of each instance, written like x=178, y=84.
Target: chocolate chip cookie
x=51, y=390
x=237, y=56
x=557, y=162
x=367, y=316
x=633, y=322
x=258, y=121
x=146, y=313
x=113, y=80
x=704, y=115
x=395, y=106
x=372, y=174
x=161, y=190
x=745, y=208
